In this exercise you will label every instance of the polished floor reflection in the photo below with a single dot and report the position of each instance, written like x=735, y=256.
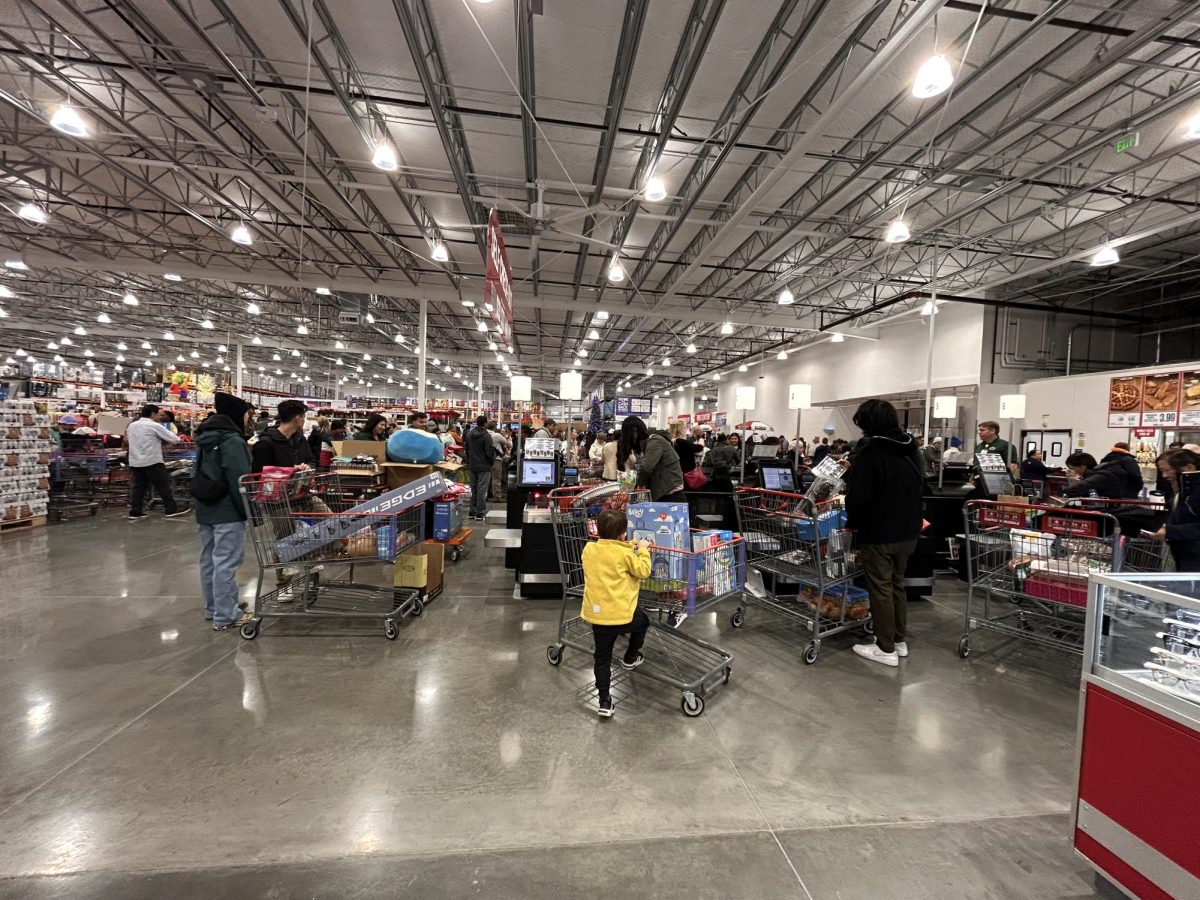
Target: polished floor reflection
x=145, y=756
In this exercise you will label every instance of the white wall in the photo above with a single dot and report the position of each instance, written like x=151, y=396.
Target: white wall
x=856, y=369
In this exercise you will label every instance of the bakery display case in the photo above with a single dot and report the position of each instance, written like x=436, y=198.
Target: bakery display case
x=1138, y=765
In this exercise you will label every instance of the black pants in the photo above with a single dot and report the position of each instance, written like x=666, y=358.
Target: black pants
x=883, y=569
x=606, y=636
x=145, y=477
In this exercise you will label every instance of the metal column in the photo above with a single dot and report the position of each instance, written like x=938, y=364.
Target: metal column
x=424, y=334
x=238, y=369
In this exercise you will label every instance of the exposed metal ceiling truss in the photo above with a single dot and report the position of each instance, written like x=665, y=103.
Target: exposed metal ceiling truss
x=786, y=134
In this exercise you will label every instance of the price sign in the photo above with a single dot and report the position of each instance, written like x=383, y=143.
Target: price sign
x=1125, y=402
x=1070, y=526
x=1160, y=400
x=1002, y=516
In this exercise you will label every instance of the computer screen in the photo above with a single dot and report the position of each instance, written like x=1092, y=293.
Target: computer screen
x=777, y=478
x=764, y=451
x=537, y=472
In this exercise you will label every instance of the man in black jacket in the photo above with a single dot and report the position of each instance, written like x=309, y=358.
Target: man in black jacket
x=284, y=444
x=1127, y=470
x=884, y=506
x=481, y=453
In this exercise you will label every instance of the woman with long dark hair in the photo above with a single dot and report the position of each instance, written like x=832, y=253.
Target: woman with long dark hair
x=1182, y=531
x=658, y=463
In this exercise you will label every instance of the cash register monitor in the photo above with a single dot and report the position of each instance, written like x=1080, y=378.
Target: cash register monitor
x=777, y=478
x=537, y=473
x=764, y=451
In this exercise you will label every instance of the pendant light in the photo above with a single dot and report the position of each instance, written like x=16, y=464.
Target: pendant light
x=1106, y=256
x=440, y=253
x=656, y=189
x=934, y=77
x=616, y=272
x=240, y=234
x=384, y=157
x=897, y=232
x=68, y=120
x=32, y=213
x=786, y=297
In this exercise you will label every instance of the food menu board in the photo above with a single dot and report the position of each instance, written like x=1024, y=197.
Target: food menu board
x=1189, y=395
x=1160, y=400
x=1125, y=402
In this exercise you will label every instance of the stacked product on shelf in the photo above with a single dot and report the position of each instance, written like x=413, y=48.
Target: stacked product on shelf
x=24, y=462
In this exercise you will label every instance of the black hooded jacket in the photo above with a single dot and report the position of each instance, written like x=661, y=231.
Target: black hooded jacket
x=1128, y=472
x=273, y=449
x=884, y=487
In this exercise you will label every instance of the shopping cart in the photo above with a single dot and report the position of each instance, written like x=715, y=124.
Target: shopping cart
x=1138, y=520
x=72, y=488
x=300, y=525
x=692, y=581
x=807, y=561
x=1028, y=567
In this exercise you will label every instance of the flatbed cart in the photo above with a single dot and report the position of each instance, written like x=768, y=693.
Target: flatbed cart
x=792, y=539
x=1027, y=570
x=456, y=545
x=671, y=657
x=302, y=530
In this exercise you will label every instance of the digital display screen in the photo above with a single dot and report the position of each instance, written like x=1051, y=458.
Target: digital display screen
x=777, y=479
x=537, y=473
x=764, y=451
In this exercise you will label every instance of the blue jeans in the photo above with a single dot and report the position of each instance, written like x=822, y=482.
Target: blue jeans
x=221, y=550
x=480, y=481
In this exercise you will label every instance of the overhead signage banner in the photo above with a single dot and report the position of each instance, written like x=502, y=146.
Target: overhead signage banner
x=1189, y=400
x=498, y=291
x=1160, y=401
x=634, y=406
x=704, y=418
x=1125, y=402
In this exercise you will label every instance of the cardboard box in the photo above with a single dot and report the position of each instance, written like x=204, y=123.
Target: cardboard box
x=447, y=519
x=422, y=567
x=398, y=474
x=375, y=449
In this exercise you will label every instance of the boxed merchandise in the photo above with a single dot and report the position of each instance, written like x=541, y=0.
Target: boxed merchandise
x=421, y=567
x=824, y=525
x=24, y=460
x=447, y=518
x=716, y=569
x=665, y=525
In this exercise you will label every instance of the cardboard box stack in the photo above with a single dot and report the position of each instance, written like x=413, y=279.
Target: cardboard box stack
x=25, y=446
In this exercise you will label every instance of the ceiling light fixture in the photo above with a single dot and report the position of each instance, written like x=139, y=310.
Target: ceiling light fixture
x=649, y=373
x=582, y=351
x=656, y=189
x=934, y=77
x=616, y=272
x=121, y=345
x=897, y=232
x=440, y=253
x=207, y=324
x=323, y=291
x=168, y=336
x=690, y=348
x=837, y=337
x=80, y=330
x=593, y=335
x=786, y=297
x=370, y=319
x=241, y=235
x=68, y=120
x=32, y=213
x=171, y=276
x=1106, y=256
x=666, y=363
x=602, y=315
x=727, y=328
x=384, y=157
x=256, y=340
x=129, y=300
x=481, y=325
x=5, y=293
x=301, y=328
x=15, y=264
x=743, y=368
x=782, y=355
x=252, y=308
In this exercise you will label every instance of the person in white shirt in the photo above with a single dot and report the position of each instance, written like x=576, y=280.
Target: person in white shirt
x=145, y=438
x=503, y=451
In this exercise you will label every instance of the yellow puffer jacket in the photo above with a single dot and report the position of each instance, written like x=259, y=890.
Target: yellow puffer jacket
x=612, y=573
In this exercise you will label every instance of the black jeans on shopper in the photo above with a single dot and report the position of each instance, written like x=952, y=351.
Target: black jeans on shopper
x=606, y=636
x=143, y=478
x=883, y=567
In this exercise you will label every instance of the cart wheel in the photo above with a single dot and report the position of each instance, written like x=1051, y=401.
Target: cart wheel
x=868, y=627
x=738, y=619
x=810, y=654
x=728, y=673
x=692, y=705
x=390, y=631
x=964, y=646
x=250, y=630
x=554, y=654
x=453, y=555
x=417, y=608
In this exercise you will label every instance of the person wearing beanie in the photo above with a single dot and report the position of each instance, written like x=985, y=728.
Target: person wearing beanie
x=222, y=459
x=374, y=430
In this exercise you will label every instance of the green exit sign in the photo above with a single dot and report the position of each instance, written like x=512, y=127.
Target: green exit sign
x=1128, y=142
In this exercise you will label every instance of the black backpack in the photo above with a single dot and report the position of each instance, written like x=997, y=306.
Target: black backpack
x=206, y=489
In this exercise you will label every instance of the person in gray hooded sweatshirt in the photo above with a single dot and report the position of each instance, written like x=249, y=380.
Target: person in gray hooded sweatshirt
x=222, y=460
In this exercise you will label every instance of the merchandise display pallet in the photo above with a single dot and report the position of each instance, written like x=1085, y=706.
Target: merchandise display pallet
x=14, y=526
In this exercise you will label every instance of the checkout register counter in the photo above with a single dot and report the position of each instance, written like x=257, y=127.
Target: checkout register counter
x=527, y=537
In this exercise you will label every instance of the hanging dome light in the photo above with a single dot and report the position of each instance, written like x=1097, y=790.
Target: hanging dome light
x=241, y=235
x=129, y=300
x=384, y=157
x=440, y=253
x=743, y=368
x=616, y=272
x=786, y=297
x=103, y=318
x=837, y=337
x=666, y=363
x=68, y=120
x=782, y=355
x=80, y=330
x=1106, y=256
x=171, y=276
x=207, y=324
x=727, y=328
x=690, y=348
x=593, y=335
x=252, y=308
x=656, y=189
x=301, y=328
x=168, y=336
x=897, y=232
x=481, y=325
x=256, y=340
x=934, y=77
x=32, y=213
x=1193, y=129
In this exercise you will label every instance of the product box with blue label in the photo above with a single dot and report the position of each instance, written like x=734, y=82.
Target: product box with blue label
x=665, y=525
x=716, y=569
x=447, y=519
x=826, y=523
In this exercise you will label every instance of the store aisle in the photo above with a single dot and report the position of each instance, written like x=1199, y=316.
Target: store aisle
x=146, y=755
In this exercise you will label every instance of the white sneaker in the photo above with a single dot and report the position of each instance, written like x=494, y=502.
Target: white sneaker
x=873, y=653
x=901, y=649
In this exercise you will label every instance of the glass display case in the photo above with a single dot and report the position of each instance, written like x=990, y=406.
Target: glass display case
x=1138, y=768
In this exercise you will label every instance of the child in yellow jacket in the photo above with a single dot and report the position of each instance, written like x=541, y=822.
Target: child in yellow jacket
x=612, y=573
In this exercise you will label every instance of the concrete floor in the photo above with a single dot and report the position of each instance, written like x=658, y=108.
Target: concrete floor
x=145, y=756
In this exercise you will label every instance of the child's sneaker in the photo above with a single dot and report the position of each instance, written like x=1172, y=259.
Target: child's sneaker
x=605, y=707
x=626, y=664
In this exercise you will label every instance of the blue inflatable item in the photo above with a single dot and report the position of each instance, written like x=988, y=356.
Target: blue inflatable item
x=410, y=446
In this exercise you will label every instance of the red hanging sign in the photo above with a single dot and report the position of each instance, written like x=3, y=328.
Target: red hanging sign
x=498, y=291
x=1002, y=516
x=703, y=418
x=1070, y=526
